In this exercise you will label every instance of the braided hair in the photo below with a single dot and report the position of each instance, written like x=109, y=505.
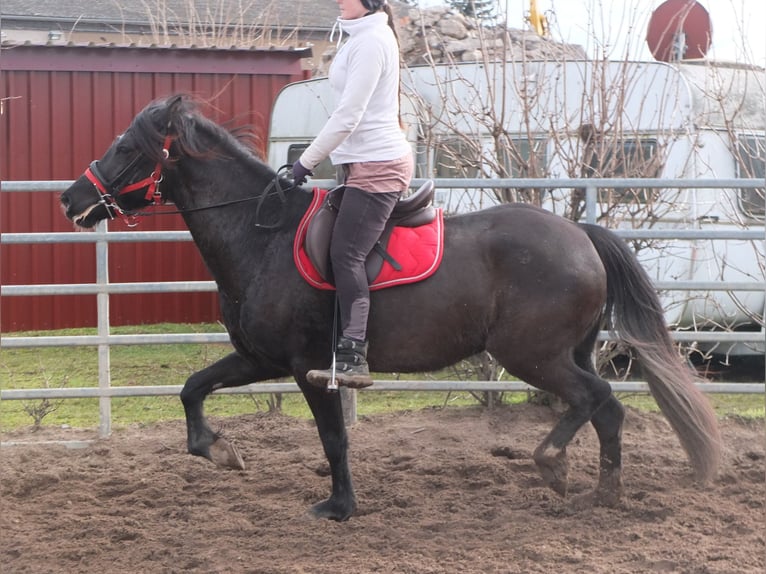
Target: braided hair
x=374, y=5
x=381, y=6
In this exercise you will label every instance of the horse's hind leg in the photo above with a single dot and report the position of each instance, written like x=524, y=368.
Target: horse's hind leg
x=585, y=393
x=231, y=371
x=607, y=421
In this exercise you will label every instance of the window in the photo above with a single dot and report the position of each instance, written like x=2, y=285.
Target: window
x=457, y=158
x=622, y=159
x=325, y=169
x=525, y=158
x=460, y=158
x=751, y=162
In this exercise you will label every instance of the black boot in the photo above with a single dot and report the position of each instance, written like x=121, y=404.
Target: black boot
x=351, y=368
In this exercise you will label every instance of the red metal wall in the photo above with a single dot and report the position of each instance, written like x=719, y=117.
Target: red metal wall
x=62, y=107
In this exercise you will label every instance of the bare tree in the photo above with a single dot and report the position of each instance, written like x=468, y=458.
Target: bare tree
x=516, y=107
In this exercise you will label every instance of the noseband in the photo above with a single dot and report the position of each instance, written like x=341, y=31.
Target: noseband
x=109, y=190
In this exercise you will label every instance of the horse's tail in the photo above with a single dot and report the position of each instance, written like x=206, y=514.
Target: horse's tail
x=634, y=312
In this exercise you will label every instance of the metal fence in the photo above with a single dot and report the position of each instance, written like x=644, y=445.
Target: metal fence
x=102, y=289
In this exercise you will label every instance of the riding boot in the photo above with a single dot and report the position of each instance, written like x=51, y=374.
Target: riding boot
x=351, y=369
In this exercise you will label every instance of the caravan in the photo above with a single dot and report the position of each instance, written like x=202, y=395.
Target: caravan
x=585, y=119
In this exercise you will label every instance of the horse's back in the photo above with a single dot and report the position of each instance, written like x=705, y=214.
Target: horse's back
x=525, y=237
x=507, y=272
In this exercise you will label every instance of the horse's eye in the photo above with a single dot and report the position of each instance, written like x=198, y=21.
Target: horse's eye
x=121, y=144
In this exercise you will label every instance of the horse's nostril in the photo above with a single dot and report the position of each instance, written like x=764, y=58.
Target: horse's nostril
x=64, y=200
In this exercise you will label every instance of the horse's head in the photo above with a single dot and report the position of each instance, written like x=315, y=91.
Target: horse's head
x=129, y=174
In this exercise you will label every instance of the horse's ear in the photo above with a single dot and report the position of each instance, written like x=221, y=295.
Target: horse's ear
x=175, y=105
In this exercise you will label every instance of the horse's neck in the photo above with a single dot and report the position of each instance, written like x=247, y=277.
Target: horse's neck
x=230, y=238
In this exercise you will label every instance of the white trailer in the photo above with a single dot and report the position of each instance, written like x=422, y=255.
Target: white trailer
x=575, y=119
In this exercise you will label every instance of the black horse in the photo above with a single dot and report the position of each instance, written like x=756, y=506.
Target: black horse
x=531, y=288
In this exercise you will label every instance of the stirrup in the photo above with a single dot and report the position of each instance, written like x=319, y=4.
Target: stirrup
x=343, y=378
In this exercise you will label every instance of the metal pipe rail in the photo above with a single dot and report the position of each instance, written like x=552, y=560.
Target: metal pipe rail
x=399, y=385
x=200, y=286
x=197, y=338
x=480, y=182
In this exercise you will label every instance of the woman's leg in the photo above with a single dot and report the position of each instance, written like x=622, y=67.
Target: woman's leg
x=360, y=223
x=362, y=217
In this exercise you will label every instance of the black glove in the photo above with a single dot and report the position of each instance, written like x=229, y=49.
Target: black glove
x=300, y=173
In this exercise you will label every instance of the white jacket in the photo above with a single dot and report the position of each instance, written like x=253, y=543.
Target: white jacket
x=364, y=77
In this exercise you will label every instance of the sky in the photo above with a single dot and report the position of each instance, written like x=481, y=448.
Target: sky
x=618, y=27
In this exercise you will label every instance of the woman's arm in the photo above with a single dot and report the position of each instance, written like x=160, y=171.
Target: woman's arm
x=365, y=65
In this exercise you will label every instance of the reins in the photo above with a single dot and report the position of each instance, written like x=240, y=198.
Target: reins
x=274, y=187
x=110, y=190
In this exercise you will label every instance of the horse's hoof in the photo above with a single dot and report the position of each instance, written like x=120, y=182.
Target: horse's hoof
x=609, y=490
x=582, y=501
x=556, y=484
x=226, y=455
x=598, y=497
x=332, y=510
x=607, y=498
x=555, y=471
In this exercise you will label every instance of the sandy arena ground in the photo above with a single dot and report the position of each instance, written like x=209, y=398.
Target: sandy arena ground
x=432, y=498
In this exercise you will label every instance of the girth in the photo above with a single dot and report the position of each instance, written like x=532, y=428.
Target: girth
x=412, y=211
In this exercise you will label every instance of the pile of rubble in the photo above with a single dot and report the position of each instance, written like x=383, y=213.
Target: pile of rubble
x=439, y=35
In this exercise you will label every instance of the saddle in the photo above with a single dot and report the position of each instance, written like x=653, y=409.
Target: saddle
x=414, y=210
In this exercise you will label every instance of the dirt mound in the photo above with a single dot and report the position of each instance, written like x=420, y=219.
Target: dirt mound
x=432, y=498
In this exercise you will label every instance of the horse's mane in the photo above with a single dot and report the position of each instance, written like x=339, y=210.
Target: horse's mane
x=194, y=134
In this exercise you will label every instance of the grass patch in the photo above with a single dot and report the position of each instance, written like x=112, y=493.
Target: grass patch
x=742, y=405
x=66, y=367
x=61, y=367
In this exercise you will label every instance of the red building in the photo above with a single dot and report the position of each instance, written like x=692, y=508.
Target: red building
x=61, y=108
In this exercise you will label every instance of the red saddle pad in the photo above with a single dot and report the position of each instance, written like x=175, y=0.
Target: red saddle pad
x=418, y=250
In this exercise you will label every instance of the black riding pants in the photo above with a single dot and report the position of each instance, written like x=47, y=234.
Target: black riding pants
x=360, y=222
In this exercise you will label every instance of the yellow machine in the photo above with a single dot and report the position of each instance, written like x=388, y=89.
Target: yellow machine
x=537, y=20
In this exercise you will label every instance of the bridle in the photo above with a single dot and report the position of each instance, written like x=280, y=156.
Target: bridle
x=111, y=189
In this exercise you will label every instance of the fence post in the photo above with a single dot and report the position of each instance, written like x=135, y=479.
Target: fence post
x=348, y=403
x=102, y=310
x=591, y=198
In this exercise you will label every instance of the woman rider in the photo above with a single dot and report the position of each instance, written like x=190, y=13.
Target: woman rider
x=365, y=137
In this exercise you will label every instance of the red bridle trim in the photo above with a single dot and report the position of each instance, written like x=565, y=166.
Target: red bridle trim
x=151, y=183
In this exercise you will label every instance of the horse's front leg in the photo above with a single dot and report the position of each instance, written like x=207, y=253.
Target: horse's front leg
x=328, y=414
x=231, y=371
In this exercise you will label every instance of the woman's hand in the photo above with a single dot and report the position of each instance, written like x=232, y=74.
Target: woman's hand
x=300, y=173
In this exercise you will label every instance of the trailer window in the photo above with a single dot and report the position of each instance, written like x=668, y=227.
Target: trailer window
x=525, y=158
x=751, y=162
x=325, y=169
x=457, y=159
x=622, y=159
